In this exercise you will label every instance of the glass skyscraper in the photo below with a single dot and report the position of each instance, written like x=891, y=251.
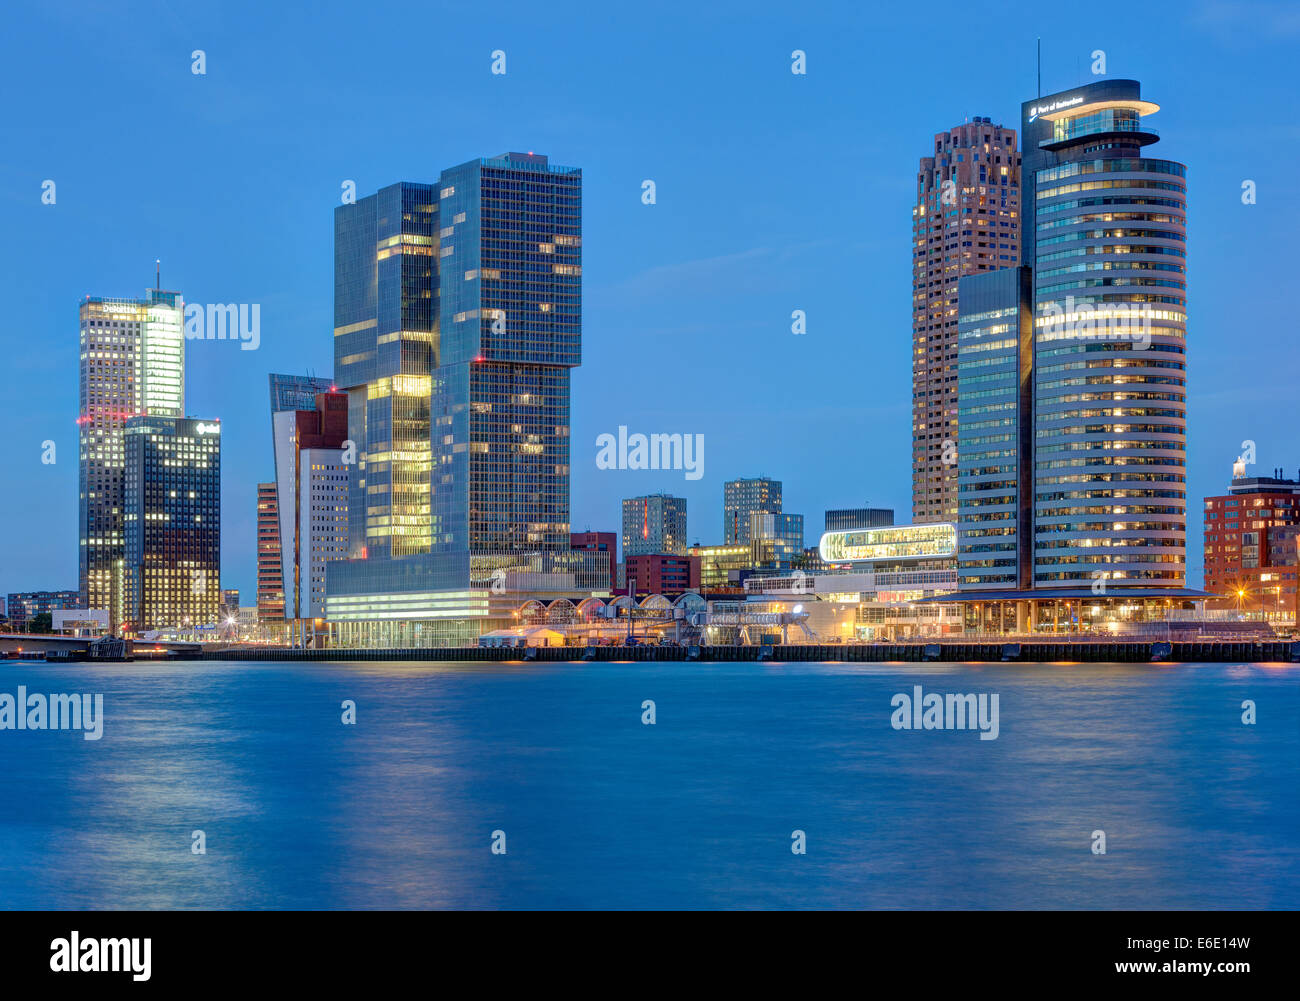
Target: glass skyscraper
x=1105, y=232
x=995, y=444
x=510, y=256
x=1071, y=380
x=385, y=350
x=132, y=363
x=172, y=518
x=458, y=316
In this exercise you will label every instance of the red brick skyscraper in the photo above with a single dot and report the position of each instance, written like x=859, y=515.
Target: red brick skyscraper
x=966, y=220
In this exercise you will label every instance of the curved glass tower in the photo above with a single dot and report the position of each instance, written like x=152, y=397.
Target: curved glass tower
x=1105, y=230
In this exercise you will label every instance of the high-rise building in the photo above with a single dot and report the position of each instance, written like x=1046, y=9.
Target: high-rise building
x=132, y=364
x=655, y=523
x=1105, y=232
x=1250, y=545
x=846, y=519
x=172, y=523
x=995, y=430
x=966, y=220
x=457, y=320
x=1071, y=375
x=311, y=497
x=278, y=535
x=743, y=498
x=270, y=564
x=229, y=603
x=511, y=330
x=386, y=296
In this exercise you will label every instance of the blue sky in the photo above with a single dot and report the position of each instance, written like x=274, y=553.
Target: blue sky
x=775, y=192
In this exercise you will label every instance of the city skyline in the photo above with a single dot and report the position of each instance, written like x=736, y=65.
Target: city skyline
x=631, y=259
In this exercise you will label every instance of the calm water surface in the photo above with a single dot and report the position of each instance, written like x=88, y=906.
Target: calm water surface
x=599, y=810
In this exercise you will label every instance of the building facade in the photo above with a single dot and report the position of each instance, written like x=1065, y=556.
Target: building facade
x=1105, y=233
x=270, y=565
x=172, y=519
x=602, y=543
x=995, y=430
x=743, y=498
x=966, y=220
x=458, y=312
x=663, y=573
x=1072, y=449
x=1250, y=546
x=312, y=491
x=132, y=363
x=655, y=523
x=847, y=518
x=23, y=606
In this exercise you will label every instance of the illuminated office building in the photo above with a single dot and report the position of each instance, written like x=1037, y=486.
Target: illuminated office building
x=995, y=431
x=457, y=321
x=966, y=220
x=132, y=363
x=724, y=568
x=743, y=498
x=1071, y=382
x=172, y=521
x=1105, y=233
x=654, y=524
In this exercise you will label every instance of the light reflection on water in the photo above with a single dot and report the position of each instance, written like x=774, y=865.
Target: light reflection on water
x=697, y=811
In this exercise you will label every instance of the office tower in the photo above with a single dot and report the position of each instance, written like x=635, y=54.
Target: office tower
x=229, y=603
x=311, y=479
x=511, y=330
x=655, y=523
x=603, y=543
x=1105, y=232
x=966, y=220
x=846, y=519
x=457, y=319
x=172, y=523
x=278, y=592
x=270, y=565
x=385, y=347
x=995, y=430
x=743, y=498
x=1072, y=438
x=1250, y=545
x=132, y=363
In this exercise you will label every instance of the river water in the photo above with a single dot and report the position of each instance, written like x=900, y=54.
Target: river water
x=596, y=809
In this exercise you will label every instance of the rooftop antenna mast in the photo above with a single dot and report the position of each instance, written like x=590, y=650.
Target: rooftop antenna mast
x=158, y=274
